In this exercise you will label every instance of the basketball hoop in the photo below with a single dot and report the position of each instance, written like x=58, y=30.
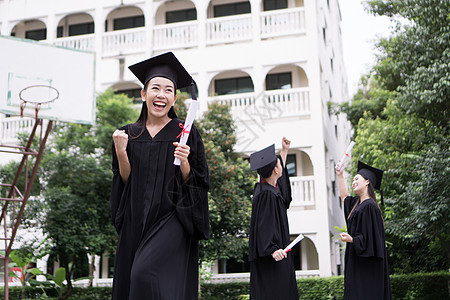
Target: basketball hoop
x=37, y=94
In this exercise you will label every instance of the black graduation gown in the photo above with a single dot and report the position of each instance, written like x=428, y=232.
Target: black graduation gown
x=366, y=266
x=269, y=231
x=159, y=218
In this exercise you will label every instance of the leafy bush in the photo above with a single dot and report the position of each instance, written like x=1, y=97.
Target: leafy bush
x=420, y=286
x=222, y=291
x=423, y=286
x=321, y=288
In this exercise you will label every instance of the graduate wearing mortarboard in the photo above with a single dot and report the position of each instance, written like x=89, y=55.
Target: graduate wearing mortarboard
x=366, y=266
x=272, y=271
x=159, y=210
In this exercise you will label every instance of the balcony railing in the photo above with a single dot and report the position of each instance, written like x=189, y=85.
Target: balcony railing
x=220, y=30
x=215, y=278
x=124, y=41
x=10, y=127
x=302, y=189
x=282, y=22
x=229, y=29
x=82, y=42
x=290, y=101
x=268, y=105
x=177, y=35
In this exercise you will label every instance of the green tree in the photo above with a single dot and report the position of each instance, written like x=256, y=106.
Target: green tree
x=77, y=176
x=400, y=116
x=418, y=54
x=231, y=187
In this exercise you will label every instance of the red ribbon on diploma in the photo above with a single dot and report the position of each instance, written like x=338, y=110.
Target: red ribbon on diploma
x=183, y=131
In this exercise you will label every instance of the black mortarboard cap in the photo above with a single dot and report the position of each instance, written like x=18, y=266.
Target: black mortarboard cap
x=264, y=161
x=373, y=174
x=165, y=65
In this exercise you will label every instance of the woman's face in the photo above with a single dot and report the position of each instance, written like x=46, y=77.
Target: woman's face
x=359, y=184
x=160, y=96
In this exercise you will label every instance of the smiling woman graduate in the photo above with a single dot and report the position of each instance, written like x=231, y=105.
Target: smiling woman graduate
x=159, y=210
x=366, y=267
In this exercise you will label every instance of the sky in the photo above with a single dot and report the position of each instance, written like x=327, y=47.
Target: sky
x=359, y=33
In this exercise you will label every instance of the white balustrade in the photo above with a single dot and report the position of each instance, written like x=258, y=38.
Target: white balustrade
x=81, y=42
x=239, y=104
x=177, y=35
x=302, y=188
x=282, y=22
x=124, y=41
x=269, y=105
x=185, y=34
x=215, y=278
x=229, y=29
x=290, y=101
x=10, y=127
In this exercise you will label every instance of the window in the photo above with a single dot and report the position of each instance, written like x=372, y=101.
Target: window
x=233, y=86
x=134, y=94
x=278, y=81
x=291, y=165
x=181, y=15
x=83, y=28
x=37, y=35
x=233, y=266
x=231, y=9
x=59, y=31
x=128, y=22
x=274, y=4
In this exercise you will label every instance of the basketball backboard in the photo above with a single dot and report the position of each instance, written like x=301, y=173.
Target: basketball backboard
x=35, y=71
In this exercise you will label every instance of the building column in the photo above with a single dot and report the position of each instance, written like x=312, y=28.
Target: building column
x=51, y=28
x=149, y=16
x=256, y=17
x=96, y=270
x=304, y=256
x=105, y=265
x=202, y=17
x=4, y=30
x=99, y=31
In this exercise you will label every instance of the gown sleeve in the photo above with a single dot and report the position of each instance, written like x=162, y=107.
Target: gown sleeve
x=368, y=238
x=284, y=185
x=117, y=201
x=117, y=187
x=192, y=208
x=265, y=226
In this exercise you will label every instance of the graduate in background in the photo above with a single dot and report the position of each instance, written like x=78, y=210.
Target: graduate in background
x=272, y=271
x=159, y=210
x=366, y=266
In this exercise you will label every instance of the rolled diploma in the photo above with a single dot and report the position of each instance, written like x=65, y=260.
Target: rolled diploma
x=193, y=107
x=346, y=155
x=293, y=243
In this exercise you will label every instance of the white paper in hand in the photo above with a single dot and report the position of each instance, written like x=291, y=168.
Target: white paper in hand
x=293, y=243
x=346, y=155
x=193, y=107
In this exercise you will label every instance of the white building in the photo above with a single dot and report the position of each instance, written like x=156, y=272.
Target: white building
x=277, y=62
